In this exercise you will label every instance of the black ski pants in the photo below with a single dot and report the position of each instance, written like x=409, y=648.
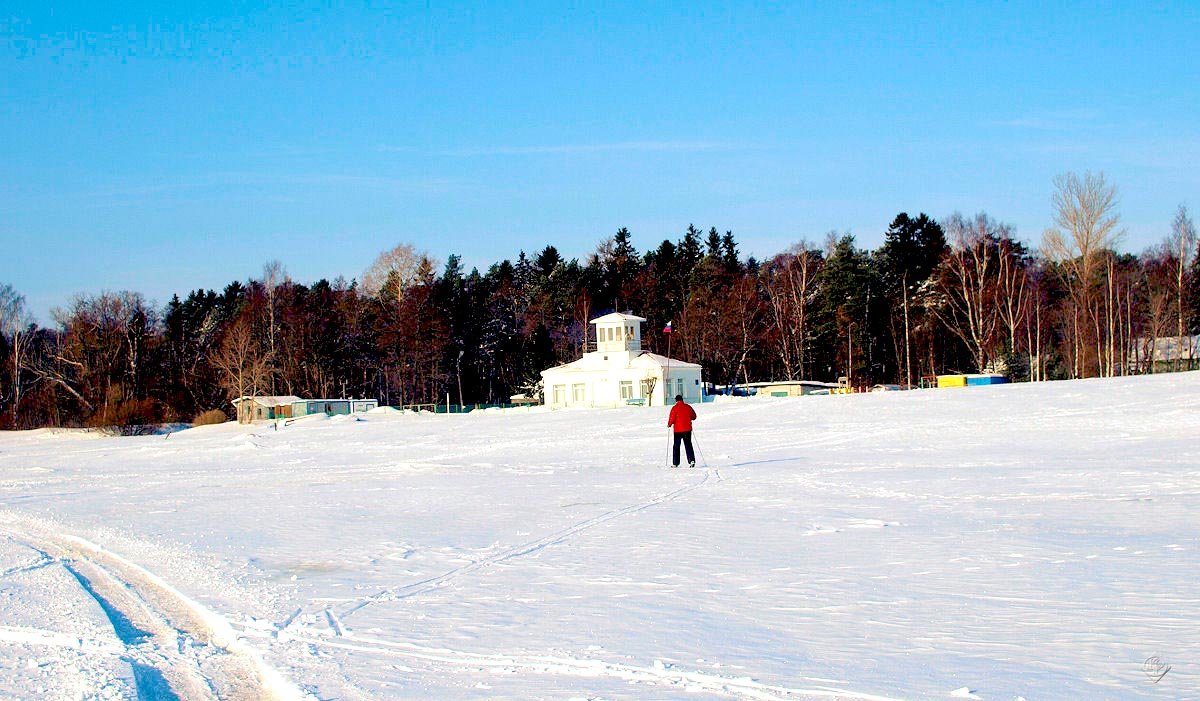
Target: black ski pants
x=686, y=438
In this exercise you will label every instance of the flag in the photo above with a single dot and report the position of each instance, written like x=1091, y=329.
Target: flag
x=667, y=328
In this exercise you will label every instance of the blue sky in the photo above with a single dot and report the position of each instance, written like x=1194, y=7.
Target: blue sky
x=163, y=149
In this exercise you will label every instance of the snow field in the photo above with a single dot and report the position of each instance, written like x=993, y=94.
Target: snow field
x=1034, y=541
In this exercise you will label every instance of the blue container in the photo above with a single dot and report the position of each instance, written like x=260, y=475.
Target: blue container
x=977, y=380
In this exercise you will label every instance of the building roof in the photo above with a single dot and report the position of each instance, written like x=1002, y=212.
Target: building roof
x=589, y=363
x=271, y=401
x=616, y=316
x=338, y=399
x=789, y=383
x=664, y=360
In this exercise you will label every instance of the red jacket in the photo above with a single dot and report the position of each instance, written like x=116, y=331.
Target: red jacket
x=682, y=415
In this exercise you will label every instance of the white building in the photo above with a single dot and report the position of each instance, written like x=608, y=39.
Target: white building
x=619, y=372
x=1164, y=353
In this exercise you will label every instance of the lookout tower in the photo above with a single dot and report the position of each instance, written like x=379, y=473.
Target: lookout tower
x=618, y=332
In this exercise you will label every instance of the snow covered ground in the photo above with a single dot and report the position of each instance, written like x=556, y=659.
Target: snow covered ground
x=1023, y=541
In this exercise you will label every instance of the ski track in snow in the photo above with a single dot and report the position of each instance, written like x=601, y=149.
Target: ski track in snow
x=527, y=548
x=658, y=674
x=58, y=639
x=339, y=637
x=176, y=648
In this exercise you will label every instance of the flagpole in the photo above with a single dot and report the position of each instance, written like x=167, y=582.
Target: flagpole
x=666, y=402
x=667, y=372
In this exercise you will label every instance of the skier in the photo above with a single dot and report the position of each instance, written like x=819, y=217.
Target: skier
x=681, y=418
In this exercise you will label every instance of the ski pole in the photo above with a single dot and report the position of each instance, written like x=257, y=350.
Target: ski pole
x=696, y=445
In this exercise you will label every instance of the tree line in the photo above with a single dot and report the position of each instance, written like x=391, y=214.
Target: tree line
x=957, y=295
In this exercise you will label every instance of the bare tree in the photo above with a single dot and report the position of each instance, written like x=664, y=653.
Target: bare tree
x=15, y=323
x=1015, y=294
x=743, y=313
x=1035, y=325
x=790, y=284
x=245, y=366
x=394, y=271
x=968, y=283
x=56, y=369
x=274, y=275
x=102, y=347
x=1182, y=242
x=1158, y=274
x=1085, y=214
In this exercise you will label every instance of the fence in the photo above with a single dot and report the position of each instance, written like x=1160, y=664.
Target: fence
x=459, y=408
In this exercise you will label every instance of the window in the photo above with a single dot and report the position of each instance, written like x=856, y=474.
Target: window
x=648, y=387
x=626, y=389
x=578, y=393
x=560, y=394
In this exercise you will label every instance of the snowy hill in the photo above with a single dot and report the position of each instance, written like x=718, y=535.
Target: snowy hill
x=1035, y=541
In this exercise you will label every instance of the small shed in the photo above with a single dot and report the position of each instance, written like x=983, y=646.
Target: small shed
x=1164, y=353
x=267, y=408
x=332, y=407
x=360, y=405
x=789, y=388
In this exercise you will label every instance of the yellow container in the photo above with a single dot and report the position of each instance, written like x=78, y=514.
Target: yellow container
x=952, y=380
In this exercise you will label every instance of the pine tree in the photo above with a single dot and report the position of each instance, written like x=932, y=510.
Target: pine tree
x=689, y=251
x=729, y=252
x=910, y=252
x=842, y=319
x=712, y=245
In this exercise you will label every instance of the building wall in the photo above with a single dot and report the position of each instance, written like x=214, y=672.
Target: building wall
x=611, y=388
x=685, y=381
x=332, y=407
x=268, y=413
x=783, y=389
